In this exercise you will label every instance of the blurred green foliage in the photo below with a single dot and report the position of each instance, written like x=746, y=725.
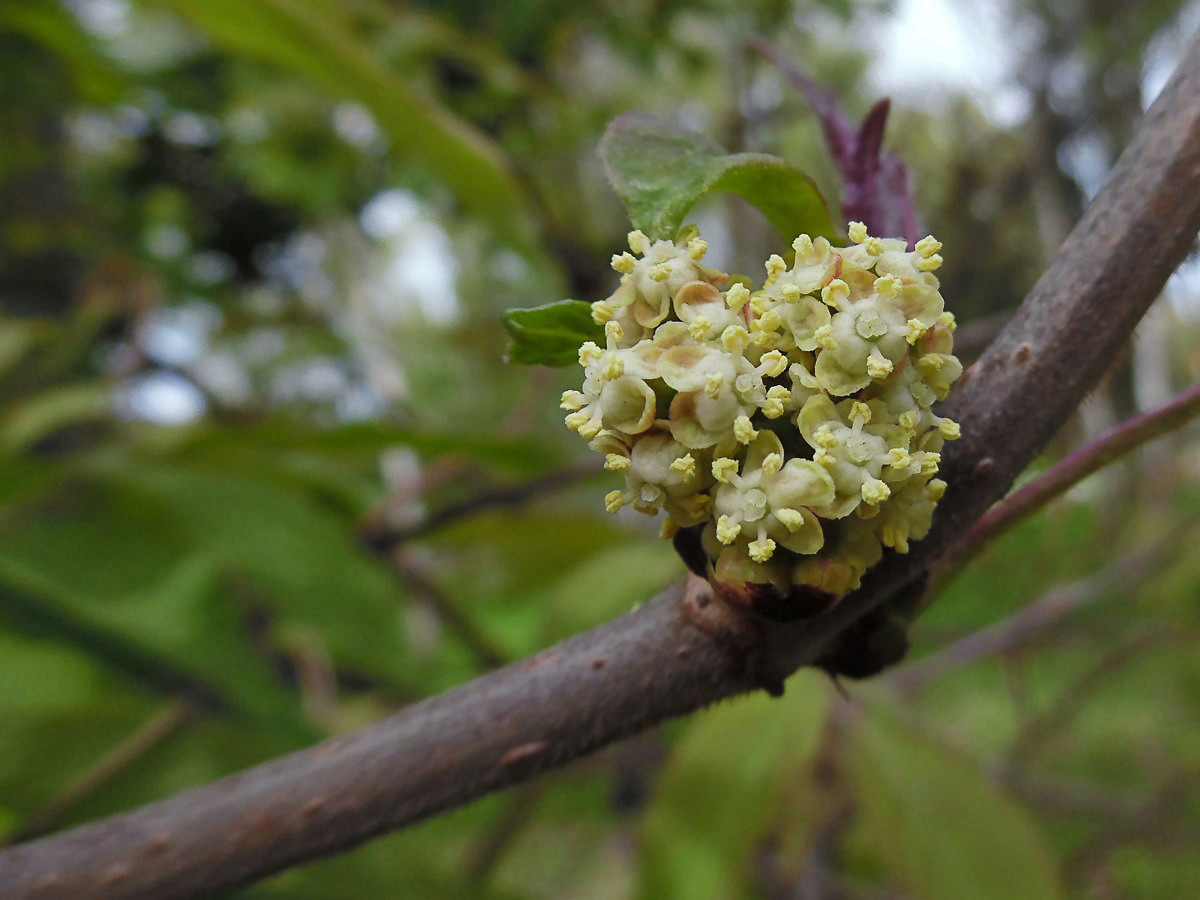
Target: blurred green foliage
x=267, y=475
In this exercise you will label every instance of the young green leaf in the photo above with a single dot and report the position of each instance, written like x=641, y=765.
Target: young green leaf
x=727, y=781
x=661, y=171
x=550, y=335
x=935, y=823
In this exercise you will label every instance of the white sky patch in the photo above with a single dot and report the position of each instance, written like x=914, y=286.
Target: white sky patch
x=104, y=18
x=355, y=125
x=163, y=398
x=178, y=336
x=926, y=51
x=1183, y=290
x=419, y=267
x=1165, y=52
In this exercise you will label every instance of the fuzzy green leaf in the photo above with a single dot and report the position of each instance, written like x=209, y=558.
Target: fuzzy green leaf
x=935, y=823
x=550, y=335
x=661, y=171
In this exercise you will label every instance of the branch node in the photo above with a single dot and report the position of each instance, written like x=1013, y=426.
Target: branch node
x=523, y=752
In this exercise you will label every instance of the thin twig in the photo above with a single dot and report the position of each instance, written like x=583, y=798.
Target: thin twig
x=458, y=622
x=1065, y=798
x=505, y=497
x=1035, y=621
x=1043, y=727
x=1064, y=475
x=682, y=650
x=519, y=812
x=165, y=723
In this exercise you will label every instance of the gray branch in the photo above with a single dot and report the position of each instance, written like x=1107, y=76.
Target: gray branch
x=679, y=652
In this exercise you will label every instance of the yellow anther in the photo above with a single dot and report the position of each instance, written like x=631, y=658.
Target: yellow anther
x=713, y=383
x=937, y=489
x=660, y=271
x=775, y=363
x=685, y=466
x=614, y=366
x=873, y=246
x=824, y=438
x=915, y=330
x=735, y=338
x=790, y=292
x=835, y=293
x=908, y=420
x=699, y=327
x=623, y=262
x=768, y=321
x=724, y=468
x=878, y=365
x=803, y=246
x=697, y=248
x=743, y=430
x=737, y=295
x=823, y=457
x=775, y=267
x=589, y=429
x=947, y=319
x=589, y=353
x=613, y=501
x=761, y=302
x=572, y=400
x=927, y=246
x=899, y=458
x=602, y=312
x=791, y=519
x=950, y=429
x=857, y=232
x=930, y=462
x=875, y=491
x=860, y=412
x=615, y=462
x=824, y=337
x=932, y=264
x=887, y=286
x=761, y=550
x=932, y=362
x=772, y=463
x=576, y=420
x=613, y=331
x=728, y=530
x=638, y=242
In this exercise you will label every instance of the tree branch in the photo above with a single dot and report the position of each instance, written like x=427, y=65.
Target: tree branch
x=682, y=650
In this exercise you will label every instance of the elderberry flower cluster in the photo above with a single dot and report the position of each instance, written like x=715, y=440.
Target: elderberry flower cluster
x=789, y=425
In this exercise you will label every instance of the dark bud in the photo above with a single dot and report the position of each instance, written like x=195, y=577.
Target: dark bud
x=765, y=588
x=866, y=648
x=691, y=550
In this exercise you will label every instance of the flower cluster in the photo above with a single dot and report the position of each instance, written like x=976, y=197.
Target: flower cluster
x=791, y=426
